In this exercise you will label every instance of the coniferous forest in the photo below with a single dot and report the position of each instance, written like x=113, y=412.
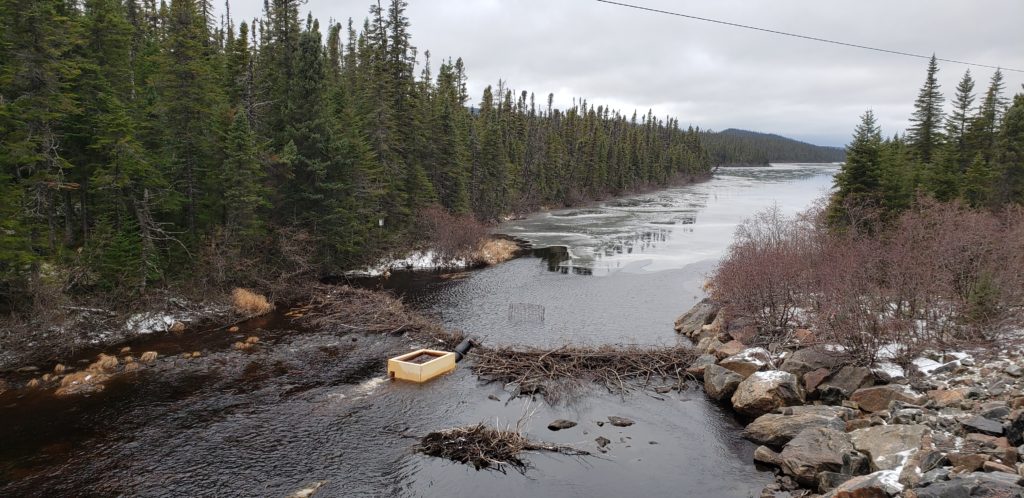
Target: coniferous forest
x=974, y=154
x=145, y=141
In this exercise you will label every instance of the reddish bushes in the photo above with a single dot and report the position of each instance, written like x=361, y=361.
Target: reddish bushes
x=938, y=274
x=451, y=236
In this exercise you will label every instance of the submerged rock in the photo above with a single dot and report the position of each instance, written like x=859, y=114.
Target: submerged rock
x=620, y=421
x=763, y=392
x=560, y=424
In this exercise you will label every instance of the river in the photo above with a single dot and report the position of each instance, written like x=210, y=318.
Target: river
x=300, y=409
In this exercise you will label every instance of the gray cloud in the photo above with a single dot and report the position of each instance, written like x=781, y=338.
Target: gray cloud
x=709, y=75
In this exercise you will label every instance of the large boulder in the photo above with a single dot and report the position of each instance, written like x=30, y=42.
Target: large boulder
x=775, y=429
x=843, y=383
x=815, y=450
x=876, y=399
x=720, y=383
x=881, y=484
x=982, y=425
x=747, y=361
x=699, y=315
x=808, y=359
x=730, y=348
x=975, y=484
x=764, y=392
x=888, y=446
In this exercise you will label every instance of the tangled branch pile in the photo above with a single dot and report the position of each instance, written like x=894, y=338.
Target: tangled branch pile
x=484, y=447
x=361, y=310
x=554, y=371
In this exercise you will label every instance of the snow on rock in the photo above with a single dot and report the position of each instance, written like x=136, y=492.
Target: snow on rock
x=145, y=323
x=926, y=365
x=416, y=260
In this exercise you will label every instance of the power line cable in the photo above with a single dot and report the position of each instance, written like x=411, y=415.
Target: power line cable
x=805, y=37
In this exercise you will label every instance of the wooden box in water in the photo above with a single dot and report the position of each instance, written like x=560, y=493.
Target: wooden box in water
x=421, y=365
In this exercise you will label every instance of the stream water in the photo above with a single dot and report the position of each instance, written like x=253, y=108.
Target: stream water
x=310, y=406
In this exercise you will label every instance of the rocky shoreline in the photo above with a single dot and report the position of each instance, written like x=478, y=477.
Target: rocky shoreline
x=946, y=425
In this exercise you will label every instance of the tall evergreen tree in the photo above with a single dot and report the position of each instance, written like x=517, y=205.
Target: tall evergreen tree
x=925, y=133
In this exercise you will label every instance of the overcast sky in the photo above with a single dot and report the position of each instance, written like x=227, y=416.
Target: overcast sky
x=710, y=75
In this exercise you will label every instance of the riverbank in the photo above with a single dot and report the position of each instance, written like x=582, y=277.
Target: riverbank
x=946, y=424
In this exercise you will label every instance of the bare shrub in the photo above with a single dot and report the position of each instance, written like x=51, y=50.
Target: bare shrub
x=764, y=272
x=249, y=303
x=938, y=275
x=450, y=236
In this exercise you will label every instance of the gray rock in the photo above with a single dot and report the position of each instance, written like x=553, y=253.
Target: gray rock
x=699, y=315
x=764, y=392
x=876, y=399
x=844, y=382
x=888, y=446
x=983, y=425
x=700, y=363
x=996, y=412
x=560, y=424
x=1015, y=430
x=881, y=484
x=719, y=382
x=975, y=484
x=827, y=481
x=776, y=430
x=747, y=362
x=602, y=441
x=808, y=359
x=1014, y=370
x=812, y=451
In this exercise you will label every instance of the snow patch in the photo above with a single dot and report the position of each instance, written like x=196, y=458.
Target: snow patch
x=416, y=260
x=926, y=365
x=145, y=323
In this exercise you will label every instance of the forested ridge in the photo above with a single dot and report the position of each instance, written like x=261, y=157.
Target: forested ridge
x=150, y=142
x=741, y=147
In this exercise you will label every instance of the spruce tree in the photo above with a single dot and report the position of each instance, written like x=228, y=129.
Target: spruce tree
x=858, y=181
x=925, y=133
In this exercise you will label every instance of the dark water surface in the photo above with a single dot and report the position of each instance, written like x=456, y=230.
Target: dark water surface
x=308, y=406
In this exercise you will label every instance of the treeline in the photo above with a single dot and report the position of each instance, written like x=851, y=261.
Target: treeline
x=145, y=142
x=741, y=147
x=973, y=154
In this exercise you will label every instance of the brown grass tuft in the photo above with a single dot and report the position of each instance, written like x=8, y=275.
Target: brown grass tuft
x=148, y=357
x=250, y=303
x=34, y=383
x=494, y=251
x=242, y=346
x=132, y=367
x=252, y=340
x=126, y=349
x=59, y=368
x=105, y=363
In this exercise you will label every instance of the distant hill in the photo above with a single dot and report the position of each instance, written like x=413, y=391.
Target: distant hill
x=738, y=147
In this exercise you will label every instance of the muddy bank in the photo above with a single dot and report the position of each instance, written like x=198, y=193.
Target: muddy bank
x=945, y=424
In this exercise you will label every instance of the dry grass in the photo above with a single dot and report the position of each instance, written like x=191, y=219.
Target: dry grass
x=554, y=372
x=104, y=364
x=494, y=251
x=59, y=368
x=484, y=447
x=249, y=303
x=148, y=357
